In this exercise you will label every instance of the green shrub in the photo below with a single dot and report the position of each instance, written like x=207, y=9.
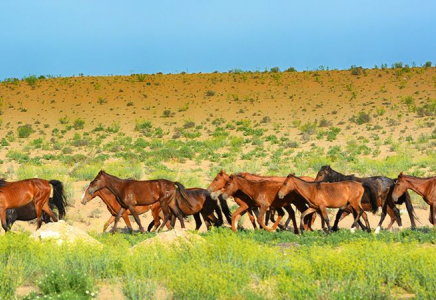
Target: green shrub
x=210, y=93
x=79, y=124
x=25, y=131
x=361, y=118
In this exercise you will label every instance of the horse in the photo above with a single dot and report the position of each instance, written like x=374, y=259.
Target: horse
x=245, y=202
x=17, y=194
x=240, y=198
x=263, y=193
x=114, y=207
x=425, y=187
x=299, y=202
x=199, y=202
x=381, y=186
x=131, y=193
x=323, y=195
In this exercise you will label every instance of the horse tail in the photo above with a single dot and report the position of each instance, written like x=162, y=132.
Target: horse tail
x=181, y=194
x=372, y=197
x=59, y=197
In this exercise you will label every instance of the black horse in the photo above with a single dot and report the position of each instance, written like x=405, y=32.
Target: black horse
x=381, y=186
x=28, y=212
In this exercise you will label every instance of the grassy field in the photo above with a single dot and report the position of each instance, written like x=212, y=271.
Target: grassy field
x=227, y=265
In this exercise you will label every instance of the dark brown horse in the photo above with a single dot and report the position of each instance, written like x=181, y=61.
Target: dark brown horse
x=323, y=195
x=380, y=186
x=199, y=202
x=20, y=193
x=425, y=187
x=131, y=193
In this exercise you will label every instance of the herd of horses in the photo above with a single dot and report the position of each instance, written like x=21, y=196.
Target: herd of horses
x=262, y=198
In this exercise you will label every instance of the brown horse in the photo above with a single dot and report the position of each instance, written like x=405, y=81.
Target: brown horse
x=114, y=207
x=19, y=193
x=240, y=198
x=131, y=193
x=199, y=202
x=247, y=205
x=381, y=187
x=323, y=195
x=263, y=193
x=425, y=187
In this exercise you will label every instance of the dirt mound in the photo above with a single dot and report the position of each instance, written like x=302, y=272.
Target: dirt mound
x=171, y=238
x=61, y=231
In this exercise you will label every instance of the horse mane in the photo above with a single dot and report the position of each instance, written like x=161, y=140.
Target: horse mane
x=415, y=177
x=336, y=176
x=3, y=182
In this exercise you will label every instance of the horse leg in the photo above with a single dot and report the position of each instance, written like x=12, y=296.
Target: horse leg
x=46, y=208
x=117, y=218
x=391, y=214
x=398, y=217
x=281, y=213
x=382, y=217
x=132, y=209
x=127, y=221
x=251, y=217
x=339, y=216
x=291, y=213
x=110, y=221
x=261, y=217
x=365, y=218
x=237, y=214
x=198, y=221
x=410, y=210
x=269, y=215
x=356, y=214
x=3, y=219
x=219, y=213
x=325, y=217
x=431, y=215
x=305, y=213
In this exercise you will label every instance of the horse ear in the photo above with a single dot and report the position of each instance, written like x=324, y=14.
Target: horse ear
x=221, y=172
x=401, y=175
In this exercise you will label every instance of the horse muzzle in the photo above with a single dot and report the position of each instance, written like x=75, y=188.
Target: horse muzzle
x=281, y=195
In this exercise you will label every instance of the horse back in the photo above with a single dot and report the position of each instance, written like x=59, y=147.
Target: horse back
x=149, y=191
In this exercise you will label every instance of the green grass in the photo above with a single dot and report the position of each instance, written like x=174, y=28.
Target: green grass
x=243, y=265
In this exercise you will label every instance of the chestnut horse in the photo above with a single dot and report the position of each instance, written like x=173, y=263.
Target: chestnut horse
x=114, y=207
x=425, y=187
x=246, y=204
x=20, y=193
x=323, y=195
x=263, y=193
x=380, y=186
x=131, y=193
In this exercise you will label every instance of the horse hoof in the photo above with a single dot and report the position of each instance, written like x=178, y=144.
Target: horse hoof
x=353, y=230
x=377, y=230
x=400, y=228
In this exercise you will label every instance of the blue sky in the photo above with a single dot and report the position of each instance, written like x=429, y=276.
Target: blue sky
x=123, y=37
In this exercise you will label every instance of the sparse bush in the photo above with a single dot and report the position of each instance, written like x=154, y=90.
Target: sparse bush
x=25, y=131
x=361, y=118
x=210, y=93
x=79, y=124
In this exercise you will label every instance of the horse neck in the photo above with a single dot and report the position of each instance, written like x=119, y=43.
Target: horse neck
x=114, y=184
x=305, y=189
x=419, y=185
x=247, y=187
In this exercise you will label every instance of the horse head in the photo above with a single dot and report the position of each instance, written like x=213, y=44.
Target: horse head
x=230, y=187
x=218, y=182
x=287, y=186
x=97, y=183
